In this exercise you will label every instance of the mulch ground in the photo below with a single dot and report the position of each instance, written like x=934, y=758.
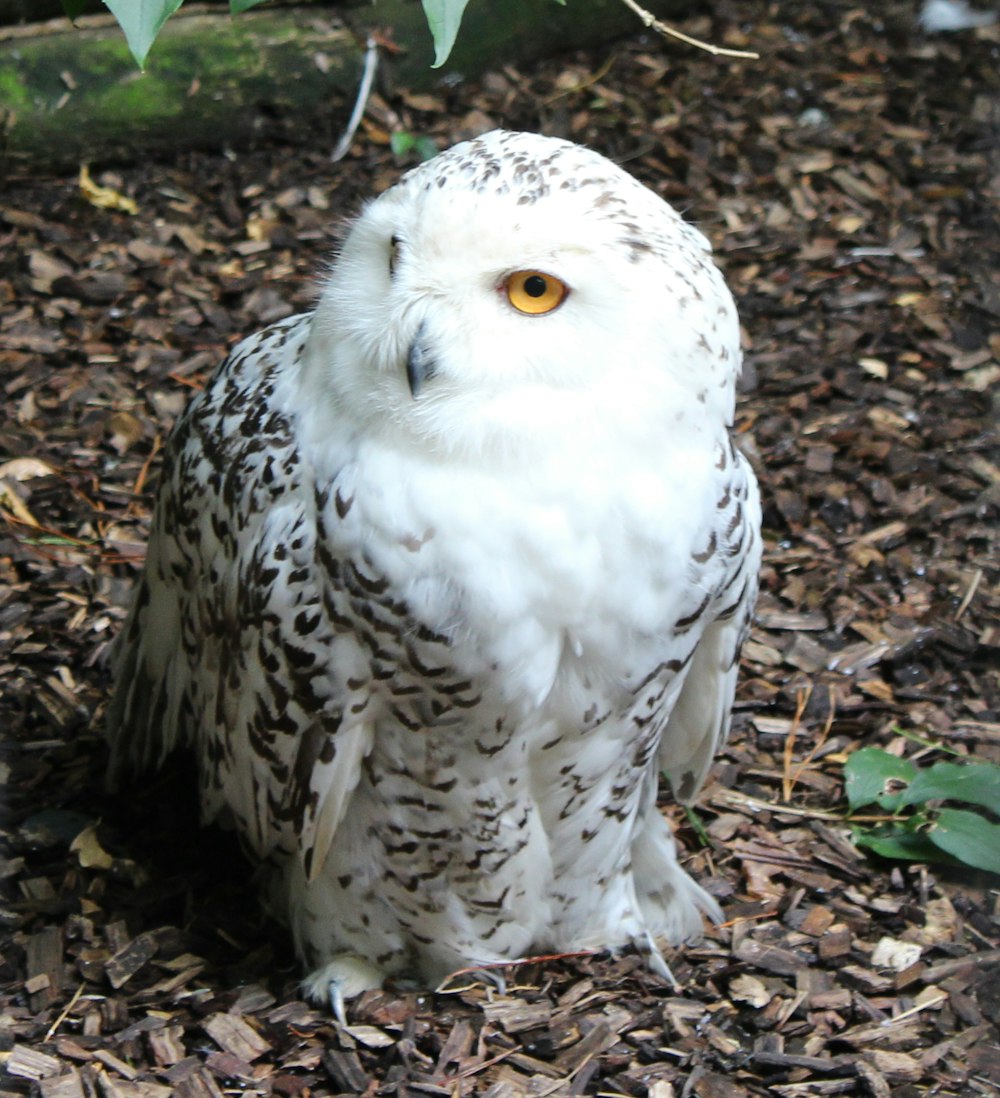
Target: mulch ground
x=850, y=182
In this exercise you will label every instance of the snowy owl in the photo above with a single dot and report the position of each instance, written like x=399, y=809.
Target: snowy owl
x=444, y=574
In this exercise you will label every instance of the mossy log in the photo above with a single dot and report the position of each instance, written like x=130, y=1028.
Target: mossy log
x=74, y=95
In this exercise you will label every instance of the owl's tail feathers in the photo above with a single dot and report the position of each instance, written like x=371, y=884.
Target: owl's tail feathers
x=138, y=717
x=127, y=720
x=672, y=902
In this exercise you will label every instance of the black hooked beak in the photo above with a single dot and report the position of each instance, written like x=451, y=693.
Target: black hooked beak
x=420, y=364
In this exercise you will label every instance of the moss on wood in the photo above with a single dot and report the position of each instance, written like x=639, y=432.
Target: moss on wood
x=215, y=81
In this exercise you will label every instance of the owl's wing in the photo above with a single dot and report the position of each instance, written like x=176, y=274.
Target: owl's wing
x=229, y=647
x=699, y=723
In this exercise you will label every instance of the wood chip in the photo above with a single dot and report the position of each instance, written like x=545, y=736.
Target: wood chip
x=236, y=1036
x=45, y=959
x=770, y=958
x=130, y=959
x=515, y=1016
x=31, y=1063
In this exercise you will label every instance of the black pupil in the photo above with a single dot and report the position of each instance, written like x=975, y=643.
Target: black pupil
x=534, y=286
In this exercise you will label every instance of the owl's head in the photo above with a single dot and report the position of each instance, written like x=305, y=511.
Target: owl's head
x=520, y=284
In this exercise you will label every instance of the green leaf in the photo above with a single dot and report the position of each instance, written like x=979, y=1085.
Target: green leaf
x=900, y=843
x=142, y=20
x=444, y=17
x=694, y=820
x=402, y=143
x=968, y=837
x=971, y=782
x=237, y=7
x=74, y=8
x=874, y=776
x=425, y=148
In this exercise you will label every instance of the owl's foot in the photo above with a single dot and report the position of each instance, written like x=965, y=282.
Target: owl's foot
x=346, y=976
x=647, y=948
x=493, y=976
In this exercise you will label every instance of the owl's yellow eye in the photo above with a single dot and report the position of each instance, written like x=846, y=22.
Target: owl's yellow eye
x=534, y=292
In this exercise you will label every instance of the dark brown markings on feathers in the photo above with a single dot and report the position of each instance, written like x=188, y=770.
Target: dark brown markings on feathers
x=369, y=640
x=685, y=623
x=356, y=579
x=412, y=723
x=667, y=665
x=737, y=574
x=578, y=788
x=344, y=623
x=702, y=557
x=409, y=846
x=491, y=905
x=445, y=834
x=465, y=703
x=306, y=621
x=299, y=659
x=489, y=752
x=405, y=690
x=415, y=800
x=426, y=634
x=421, y=668
x=276, y=720
x=342, y=505
x=687, y=786
x=643, y=752
x=311, y=746
x=731, y=609
x=454, y=687
x=366, y=609
x=268, y=658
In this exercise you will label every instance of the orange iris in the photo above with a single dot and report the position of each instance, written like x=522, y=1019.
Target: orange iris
x=534, y=292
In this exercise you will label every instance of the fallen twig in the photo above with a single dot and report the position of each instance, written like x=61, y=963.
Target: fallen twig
x=671, y=32
x=364, y=91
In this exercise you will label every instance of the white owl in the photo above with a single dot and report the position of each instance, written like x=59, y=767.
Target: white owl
x=444, y=574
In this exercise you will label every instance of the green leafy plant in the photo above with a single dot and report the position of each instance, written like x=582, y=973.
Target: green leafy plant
x=406, y=145
x=444, y=17
x=923, y=825
x=142, y=21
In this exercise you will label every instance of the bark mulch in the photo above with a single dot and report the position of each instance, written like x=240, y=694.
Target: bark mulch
x=850, y=182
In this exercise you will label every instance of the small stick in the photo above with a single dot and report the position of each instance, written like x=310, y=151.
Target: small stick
x=140, y=480
x=973, y=587
x=65, y=1013
x=670, y=32
x=823, y=736
x=787, y=781
x=364, y=91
